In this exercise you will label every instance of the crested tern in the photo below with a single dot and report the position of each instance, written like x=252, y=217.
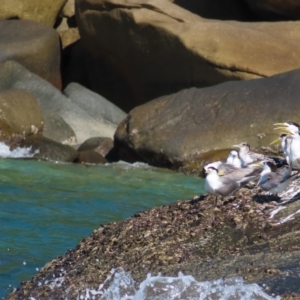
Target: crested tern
x=219, y=185
x=233, y=159
x=292, y=143
x=242, y=175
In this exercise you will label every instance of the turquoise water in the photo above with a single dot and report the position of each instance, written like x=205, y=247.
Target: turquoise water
x=47, y=208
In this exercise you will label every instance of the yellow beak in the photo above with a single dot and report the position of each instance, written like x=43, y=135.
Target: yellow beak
x=275, y=142
x=283, y=130
x=279, y=124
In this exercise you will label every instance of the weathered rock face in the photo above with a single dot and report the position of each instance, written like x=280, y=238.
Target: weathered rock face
x=175, y=130
x=235, y=238
x=33, y=45
x=157, y=48
x=20, y=116
x=276, y=9
x=44, y=12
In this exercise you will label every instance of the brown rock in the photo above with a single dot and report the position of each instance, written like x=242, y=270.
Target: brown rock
x=33, y=45
x=174, y=131
x=276, y=9
x=44, y=12
x=157, y=48
x=90, y=157
x=20, y=115
x=101, y=145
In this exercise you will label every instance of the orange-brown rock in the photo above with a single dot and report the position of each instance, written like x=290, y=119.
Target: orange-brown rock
x=155, y=48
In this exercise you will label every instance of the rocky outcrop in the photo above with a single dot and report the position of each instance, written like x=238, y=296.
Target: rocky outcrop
x=44, y=12
x=276, y=9
x=243, y=236
x=34, y=46
x=66, y=120
x=20, y=116
x=142, y=49
x=176, y=130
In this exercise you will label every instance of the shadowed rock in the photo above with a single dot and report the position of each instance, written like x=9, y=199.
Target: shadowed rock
x=275, y=10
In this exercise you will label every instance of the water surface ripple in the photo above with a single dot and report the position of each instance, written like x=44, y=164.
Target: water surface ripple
x=47, y=208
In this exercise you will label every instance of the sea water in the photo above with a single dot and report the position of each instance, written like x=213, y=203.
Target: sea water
x=46, y=208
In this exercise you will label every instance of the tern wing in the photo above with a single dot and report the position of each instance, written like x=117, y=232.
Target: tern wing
x=269, y=181
x=228, y=187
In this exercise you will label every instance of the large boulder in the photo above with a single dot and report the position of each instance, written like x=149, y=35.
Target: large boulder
x=33, y=45
x=156, y=48
x=96, y=106
x=20, y=116
x=76, y=122
x=14, y=76
x=176, y=130
x=276, y=9
x=45, y=11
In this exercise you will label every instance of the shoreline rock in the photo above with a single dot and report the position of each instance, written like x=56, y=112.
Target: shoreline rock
x=234, y=238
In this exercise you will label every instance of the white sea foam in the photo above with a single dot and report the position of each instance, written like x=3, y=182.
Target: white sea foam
x=127, y=166
x=120, y=286
x=5, y=152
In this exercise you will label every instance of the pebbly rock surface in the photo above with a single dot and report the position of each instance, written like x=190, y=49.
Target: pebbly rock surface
x=33, y=45
x=249, y=235
x=44, y=12
x=180, y=130
x=138, y=50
